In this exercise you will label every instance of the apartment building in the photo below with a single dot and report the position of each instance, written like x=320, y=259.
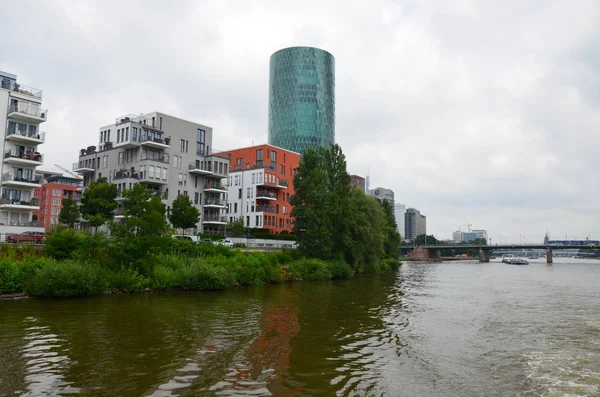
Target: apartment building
x=166, y=154
x=260, y=186
x=55, y=187
x=21, y=118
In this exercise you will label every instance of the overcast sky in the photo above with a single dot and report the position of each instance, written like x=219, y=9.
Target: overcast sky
x=473, y=112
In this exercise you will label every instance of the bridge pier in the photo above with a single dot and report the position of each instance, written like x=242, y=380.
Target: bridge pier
x=548, y=255
x=484, y=256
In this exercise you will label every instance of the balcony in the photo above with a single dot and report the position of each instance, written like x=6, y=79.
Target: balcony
x=83, y=167
x=20, y=181
x=215, y=188
x=27, y=112
x=262, y=194
x=26, y=137
x=164, y=158
x=210, y=202
x=214, y=219
x=254, y=166
x=155, y=142
x=20, y=89
x=282, y=183
x=200, y=168
x=7, y=203
x=267, y=208
x=23, y=158
x=154, y=178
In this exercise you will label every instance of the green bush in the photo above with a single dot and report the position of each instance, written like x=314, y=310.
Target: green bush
x=311, y=269
x=127, y=279
x=390, y=264
x=164, y=278
x=203, y=276
x=63, y=244
x=67, y=279
x=340, y=269
x=14, y=275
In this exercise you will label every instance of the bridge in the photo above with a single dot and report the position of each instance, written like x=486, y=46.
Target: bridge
x=433, y=251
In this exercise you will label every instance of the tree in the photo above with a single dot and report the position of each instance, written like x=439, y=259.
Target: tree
x=144, y=230
x=237, y=228
x=183, y=213
x=390, y=231
x=69, y=214
x=98, y=202
x=367, y=231
x=423, y=239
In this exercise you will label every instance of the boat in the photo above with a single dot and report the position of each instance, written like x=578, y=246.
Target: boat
x=517, y=261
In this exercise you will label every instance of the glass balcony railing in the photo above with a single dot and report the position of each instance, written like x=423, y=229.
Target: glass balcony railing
x=161, y=159
x=21, y=89
x=34, y=202
x=29, y=110
x=125, y=174
x=33, y=156
x=20, y=178
x=26, y=134
x=267, y=208
x=213, y=201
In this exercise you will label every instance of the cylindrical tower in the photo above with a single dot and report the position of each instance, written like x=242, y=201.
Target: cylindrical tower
x=301, y=98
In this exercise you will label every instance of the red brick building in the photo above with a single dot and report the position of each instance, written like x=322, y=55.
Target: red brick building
x=260, y=184
x=54, y=188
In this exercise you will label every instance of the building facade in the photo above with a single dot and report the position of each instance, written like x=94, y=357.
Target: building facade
x=399, y=211
x=260, y=186
x=358, y=182
x=301, y=99
x=382, y=194
x=55, y=187
x=481, y=234
x=166, y=154
x=21, y=119
x=415, y=224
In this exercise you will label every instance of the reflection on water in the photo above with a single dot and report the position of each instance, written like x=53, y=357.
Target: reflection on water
x=446, y=329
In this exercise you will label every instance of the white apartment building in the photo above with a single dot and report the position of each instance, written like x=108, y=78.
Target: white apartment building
x=20, y=155
x=481, y=234
x=166, y=154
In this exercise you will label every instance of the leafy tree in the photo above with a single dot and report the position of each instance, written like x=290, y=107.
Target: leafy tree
x=69, y=214
x=423, y=239
x=144, y=230
x=237, y=228
x=367, y=231
x=98, y=202
x=390, y=231
x=183, y=213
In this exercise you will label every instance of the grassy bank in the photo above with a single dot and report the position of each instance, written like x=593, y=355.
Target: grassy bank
x=91, y=268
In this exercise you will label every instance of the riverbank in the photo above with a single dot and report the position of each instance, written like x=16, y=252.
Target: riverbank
x=213, y=268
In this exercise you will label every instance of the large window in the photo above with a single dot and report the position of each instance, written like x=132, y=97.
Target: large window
x=200, y=139
x=273, y=155
x=259, y=155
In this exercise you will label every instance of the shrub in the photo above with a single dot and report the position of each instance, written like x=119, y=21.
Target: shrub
x=67, y=279
x=14, y=275
x=127, y=279
x=390, y=264
x=311, y=269
x=163, y=278
x=340, y=269
x=203, y=276
x=63, y=244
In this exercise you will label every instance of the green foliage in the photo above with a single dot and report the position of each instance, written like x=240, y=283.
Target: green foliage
x=391, y=244
x=126, y=279
x=67, y=279
x=14, y=274
x=69, y=214
x=98, y=202
x=368, y=223
x=340, y=269
x=390, y=264
x=237, y=228
x=183, y=213
x=311, y=269
x=199, y=275
x=63, y=244
x=423, y=239
x=163, y=278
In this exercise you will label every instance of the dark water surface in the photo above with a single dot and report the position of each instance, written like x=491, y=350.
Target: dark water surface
x=446, y=329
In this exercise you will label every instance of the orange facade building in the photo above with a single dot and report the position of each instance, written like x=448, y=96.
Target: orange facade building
x=260, y=184
x=54, y=189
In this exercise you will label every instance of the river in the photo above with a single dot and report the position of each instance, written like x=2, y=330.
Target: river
x=443, y=329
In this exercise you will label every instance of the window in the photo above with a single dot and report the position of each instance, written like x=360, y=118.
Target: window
x=127, y=134
x=273, y=154
x=185, y=193
x=235, y=206
x=260, y=178
x=182, y=145
x=200, y=138
x=151, y=172
x=253, y=178
x=259, y=155
x=186, y=146
x=160, y=125
x=285, y=209
x=247, y=221
x=196, y=198
x=239, y=193
x=175, y=161
x=238, y=163
x=164, y=173
x=282, y=169
x=257, y=220
x=180, y=179
x=120, y=157
x=247, y=192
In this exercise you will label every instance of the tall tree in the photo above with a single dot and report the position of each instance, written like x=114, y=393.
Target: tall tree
x=391, y=234
x=98, y=202
x=367, y=231
x=183, y=213
x=144, y=230
x=69, y=214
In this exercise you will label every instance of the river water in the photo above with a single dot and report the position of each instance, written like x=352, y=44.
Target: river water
x=444, y=329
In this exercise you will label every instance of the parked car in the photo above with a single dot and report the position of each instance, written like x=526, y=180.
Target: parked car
x=191, y=238
x=207, y=241
x=227, y=242
x=27, y=237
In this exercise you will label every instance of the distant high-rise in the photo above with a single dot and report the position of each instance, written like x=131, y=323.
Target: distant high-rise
x=382, y=194
x=301, y=98
x=399, y=211
x=358, y=182
x=415, y=224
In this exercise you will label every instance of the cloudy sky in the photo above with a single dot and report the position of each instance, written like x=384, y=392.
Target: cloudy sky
x=481, y=112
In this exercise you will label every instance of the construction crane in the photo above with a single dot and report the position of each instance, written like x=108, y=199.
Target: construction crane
x=468, y=225
x=68, y=172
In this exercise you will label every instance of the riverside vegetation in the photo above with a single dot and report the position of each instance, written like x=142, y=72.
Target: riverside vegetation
x=339, y=230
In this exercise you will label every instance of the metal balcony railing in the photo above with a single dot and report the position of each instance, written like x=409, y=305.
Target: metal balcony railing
x=265, y=193
x=267, y=208
x=214, y=186
x=34, y=202
x=21, y=89
x=213, y=201
x=161, y=159
x=125, y=174
x=214, y=218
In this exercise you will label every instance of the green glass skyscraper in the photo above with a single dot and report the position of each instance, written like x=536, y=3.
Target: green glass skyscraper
x=301, y=98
